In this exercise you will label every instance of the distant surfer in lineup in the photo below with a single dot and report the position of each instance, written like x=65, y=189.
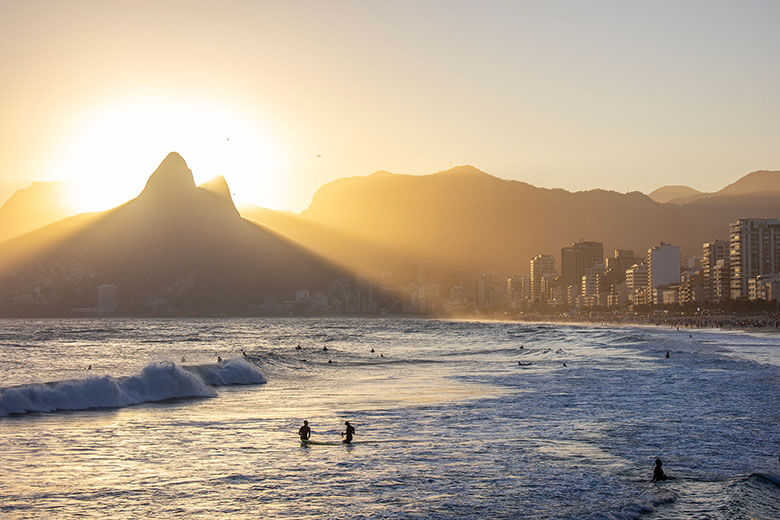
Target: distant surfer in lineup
x=658, y=472
x=304, y=431
x=349, y=433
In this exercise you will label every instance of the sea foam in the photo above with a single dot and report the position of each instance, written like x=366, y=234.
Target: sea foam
x=156, y=382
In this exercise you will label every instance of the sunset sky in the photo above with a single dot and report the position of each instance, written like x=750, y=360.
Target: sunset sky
x=281, y=97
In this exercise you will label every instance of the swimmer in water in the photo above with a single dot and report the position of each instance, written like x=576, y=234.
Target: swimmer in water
x=304, y=431
x=658, y=473
x=349, y=433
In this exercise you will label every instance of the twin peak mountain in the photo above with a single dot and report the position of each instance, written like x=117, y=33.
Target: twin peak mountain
x=175, y=249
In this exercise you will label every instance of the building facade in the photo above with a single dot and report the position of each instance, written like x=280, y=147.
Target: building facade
x=712, y=252
x=754, y=245
x=542, y=266
x=663, y=265
x=577, y=258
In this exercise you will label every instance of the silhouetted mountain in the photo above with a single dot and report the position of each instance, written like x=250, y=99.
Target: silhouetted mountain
x=175, y=249
x=762, y=181
x=757, y=183
x=479, y=223
x=33, y=207
x=675, y=194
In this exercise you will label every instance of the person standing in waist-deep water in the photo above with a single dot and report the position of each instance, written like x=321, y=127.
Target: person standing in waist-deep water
x=658, y=473
x=349, y=433
x=305, y=431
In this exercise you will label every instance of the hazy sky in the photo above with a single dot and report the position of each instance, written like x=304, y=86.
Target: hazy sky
x=619, y=95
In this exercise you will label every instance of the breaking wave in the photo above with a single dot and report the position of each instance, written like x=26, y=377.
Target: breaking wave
x=157, y=382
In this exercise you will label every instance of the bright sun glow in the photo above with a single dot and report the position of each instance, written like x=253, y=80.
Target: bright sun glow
x=112, y=151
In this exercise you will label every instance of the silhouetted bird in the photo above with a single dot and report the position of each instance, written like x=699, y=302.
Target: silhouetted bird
x=667, y=354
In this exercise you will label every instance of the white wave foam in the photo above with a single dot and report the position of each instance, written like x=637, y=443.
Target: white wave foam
x=235, y=371
x=156, y=382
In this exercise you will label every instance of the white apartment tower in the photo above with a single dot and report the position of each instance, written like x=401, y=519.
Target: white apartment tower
x=663, y=265
x=106, y=300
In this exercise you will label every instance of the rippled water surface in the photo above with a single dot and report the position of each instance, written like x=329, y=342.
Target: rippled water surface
x=453, y=419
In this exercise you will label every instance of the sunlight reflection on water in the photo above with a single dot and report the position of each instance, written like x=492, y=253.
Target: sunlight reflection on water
x=448, y=424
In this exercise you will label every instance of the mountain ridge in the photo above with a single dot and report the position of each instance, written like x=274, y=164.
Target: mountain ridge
x=174, y=249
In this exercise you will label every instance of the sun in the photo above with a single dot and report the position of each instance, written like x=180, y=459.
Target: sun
x=109, y=152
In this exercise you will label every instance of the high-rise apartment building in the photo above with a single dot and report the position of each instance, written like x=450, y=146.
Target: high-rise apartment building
x=542, y=266
x=663, y=265
x=577, y=258
x=719, y=281
x=106, y=300
x=712, y=252
x=754, y=250
x=517, y=290
x=636, y=277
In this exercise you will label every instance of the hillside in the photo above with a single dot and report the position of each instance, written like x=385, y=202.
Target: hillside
x=35, y=206
x=675, y=194
x=464, y=220
x=175, y=249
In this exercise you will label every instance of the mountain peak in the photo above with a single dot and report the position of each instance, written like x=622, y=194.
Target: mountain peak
x=758, y=181
x=464, y=170
x=218, y=186
x=171, y=177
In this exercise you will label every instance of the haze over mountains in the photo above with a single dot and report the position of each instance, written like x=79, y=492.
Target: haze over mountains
x=758, y=182
x=176, y=248
x=466, y=221
x=179, y=248
x=35, y=206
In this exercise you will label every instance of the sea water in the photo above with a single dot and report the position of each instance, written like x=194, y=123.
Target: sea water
x=454, y=419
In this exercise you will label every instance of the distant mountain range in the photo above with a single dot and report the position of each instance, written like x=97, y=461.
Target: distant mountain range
x=175, y=249
x=758, y=182
x=466, y=221
x=179, y=248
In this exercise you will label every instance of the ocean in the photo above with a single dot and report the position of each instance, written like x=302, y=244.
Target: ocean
x=136, y=418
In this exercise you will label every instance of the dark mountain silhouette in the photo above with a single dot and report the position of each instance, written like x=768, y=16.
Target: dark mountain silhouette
x=35, y=206
x=176, y=249
x=465, y=220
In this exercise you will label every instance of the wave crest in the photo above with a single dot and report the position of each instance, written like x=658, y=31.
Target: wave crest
x=158, y=381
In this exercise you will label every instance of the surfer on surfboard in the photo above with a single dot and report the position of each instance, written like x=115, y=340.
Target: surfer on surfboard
x=349, y=433
x=305, y=431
